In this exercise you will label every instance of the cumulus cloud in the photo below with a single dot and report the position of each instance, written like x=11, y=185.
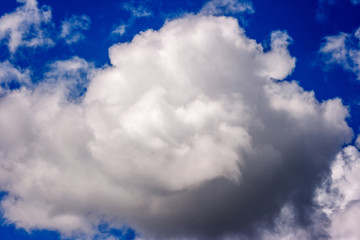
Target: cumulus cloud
x=226, y=7
x=190, y=132
x=25, y=26
x=344, y=50
x=339, y=198
x=71, y=29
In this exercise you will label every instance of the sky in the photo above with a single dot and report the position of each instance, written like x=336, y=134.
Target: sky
x=191, y=120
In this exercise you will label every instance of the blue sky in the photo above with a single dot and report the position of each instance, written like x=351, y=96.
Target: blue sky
x=220, y=119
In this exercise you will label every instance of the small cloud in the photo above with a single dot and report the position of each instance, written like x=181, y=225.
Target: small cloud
x=72, y=27
x=119, y=30
x=138, y=12
x=227, y=7
x=344, y=50
x=26, y=26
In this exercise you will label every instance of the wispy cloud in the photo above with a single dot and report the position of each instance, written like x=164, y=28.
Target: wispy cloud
x=226, y=7
x=137, y=11
x=26, y=26
x=71, y=29
x=343, y=50
x=120, y=29
x=323, y=8
x=11, y=74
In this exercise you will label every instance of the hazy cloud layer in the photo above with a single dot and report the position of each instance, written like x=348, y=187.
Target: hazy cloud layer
x=324, y=5
x=189, y=133
x=344, y=50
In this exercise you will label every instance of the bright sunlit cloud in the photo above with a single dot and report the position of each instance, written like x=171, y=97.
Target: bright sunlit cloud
x=195, y=129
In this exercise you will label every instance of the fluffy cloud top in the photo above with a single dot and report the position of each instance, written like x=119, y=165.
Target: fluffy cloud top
x=344, y=50
x=25, y=26
x=189, y=133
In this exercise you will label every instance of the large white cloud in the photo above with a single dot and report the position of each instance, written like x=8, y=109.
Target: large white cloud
x=189, y=133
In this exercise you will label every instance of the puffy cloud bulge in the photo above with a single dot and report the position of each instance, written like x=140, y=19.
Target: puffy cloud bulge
x=339, y=197
x=190, y=132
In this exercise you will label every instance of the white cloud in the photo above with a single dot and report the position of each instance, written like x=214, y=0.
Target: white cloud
x=73, y=75
x=120, y=30
x=8, y=72
x=226, y=7
x=285, y=227
x=184, y=135
x=280, y=63
x=25, y=26
x=139, y=11
x=71, y=29
x=339, y=198
x=136, y=11
x=344, y=50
